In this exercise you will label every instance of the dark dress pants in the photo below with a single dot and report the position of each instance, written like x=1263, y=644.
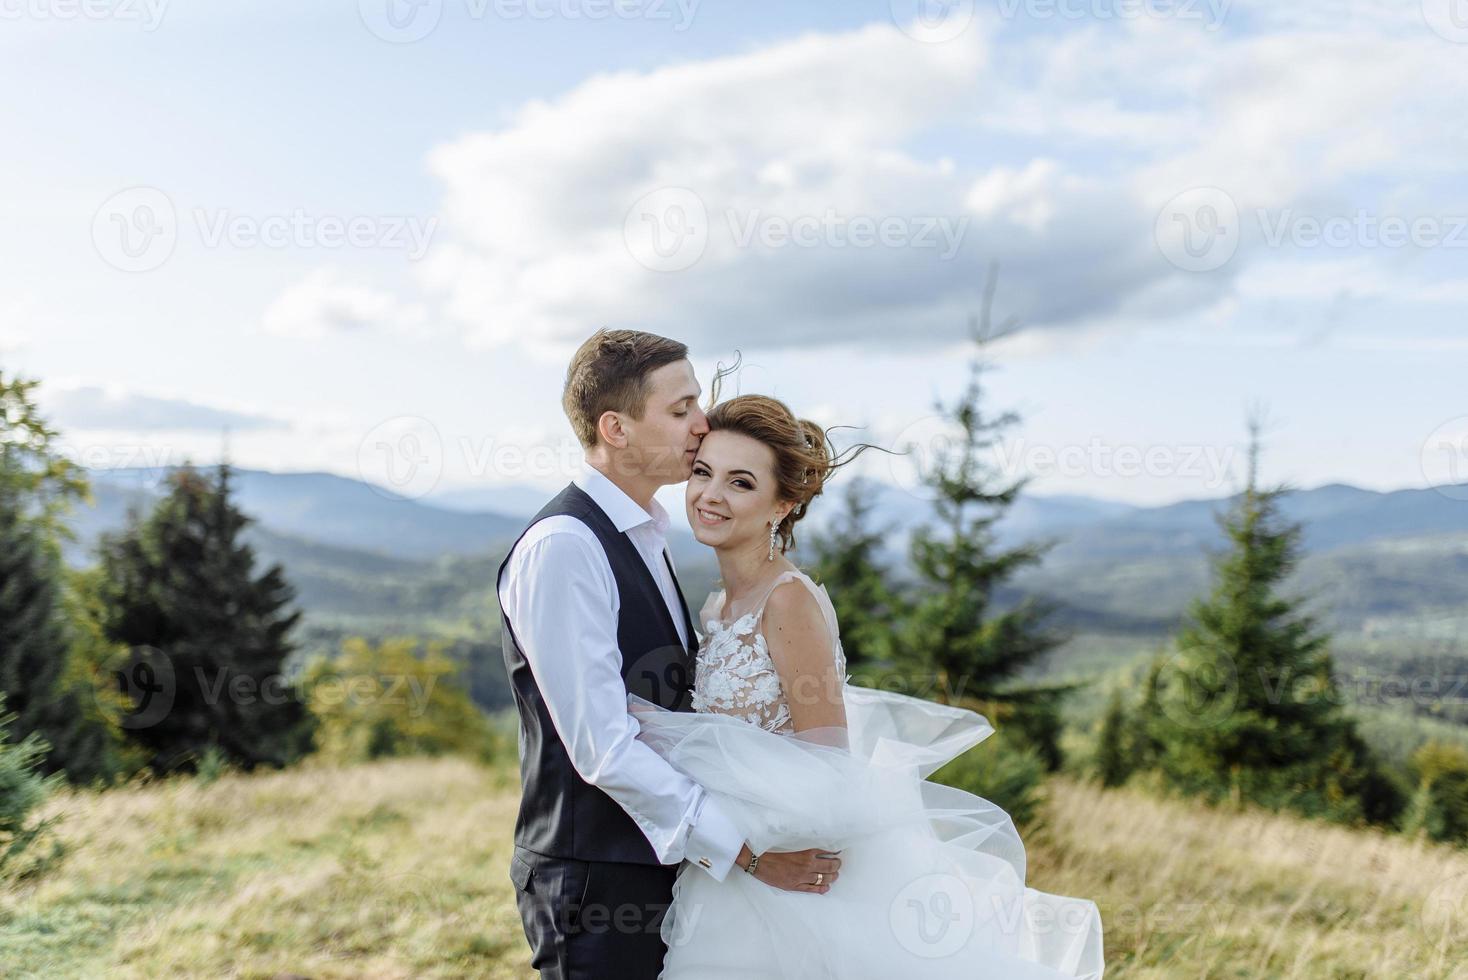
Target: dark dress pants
x=592, y=920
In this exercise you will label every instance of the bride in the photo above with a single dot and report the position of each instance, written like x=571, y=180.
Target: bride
x=927, y=881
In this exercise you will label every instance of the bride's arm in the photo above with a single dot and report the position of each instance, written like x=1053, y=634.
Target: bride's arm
x=801, y=645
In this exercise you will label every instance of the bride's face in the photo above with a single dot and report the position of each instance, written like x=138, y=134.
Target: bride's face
x=731, y=496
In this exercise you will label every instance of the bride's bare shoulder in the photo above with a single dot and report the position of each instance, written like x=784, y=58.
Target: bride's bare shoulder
x=792, y=608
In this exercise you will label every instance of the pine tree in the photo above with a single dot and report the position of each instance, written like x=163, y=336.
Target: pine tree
x=46, y=689
x=33, y=636
x=848, y=563
x=43, y=481
x=23, y=789
x=209, y=641
x=1113, y=764
x=1142, y=744
x=1249, y=706
x=954, y=634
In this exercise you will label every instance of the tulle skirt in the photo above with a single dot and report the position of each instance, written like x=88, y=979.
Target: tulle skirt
x=932, y=881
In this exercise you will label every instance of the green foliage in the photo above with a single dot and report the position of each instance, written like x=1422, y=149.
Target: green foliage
x=1439, y=807
x=212, y=764
x=1113, y=763
x=381, y=700
x=44, y=640
x=848, y=563
x=1248, y=708
x=31, y=470
x=23, y=788
x=202, y=632
x=40, y=641
x=33, y=639
x=954, y=632
x=94, y=748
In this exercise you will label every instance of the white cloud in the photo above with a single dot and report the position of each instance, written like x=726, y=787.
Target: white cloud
x=327, y=303
x=18, y=312
x=812, y=134
x=13, y=340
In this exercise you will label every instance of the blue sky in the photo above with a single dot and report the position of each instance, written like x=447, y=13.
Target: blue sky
x=1186, y=207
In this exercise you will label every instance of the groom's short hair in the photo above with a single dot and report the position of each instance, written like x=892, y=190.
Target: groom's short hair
x=609, y=374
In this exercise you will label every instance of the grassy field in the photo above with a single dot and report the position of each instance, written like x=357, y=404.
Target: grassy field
x=398, y=869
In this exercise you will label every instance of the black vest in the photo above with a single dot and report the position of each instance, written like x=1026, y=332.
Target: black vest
x=561, y=814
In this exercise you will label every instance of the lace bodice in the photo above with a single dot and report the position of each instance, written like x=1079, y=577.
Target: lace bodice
x=735, y=674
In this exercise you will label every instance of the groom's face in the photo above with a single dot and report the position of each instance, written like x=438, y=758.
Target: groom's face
x=663, y=443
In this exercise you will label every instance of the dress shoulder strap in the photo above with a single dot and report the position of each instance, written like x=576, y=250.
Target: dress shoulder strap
x=790, y=574
x=818, y=591
x=711, y=608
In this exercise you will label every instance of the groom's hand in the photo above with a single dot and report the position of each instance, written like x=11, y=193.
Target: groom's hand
x=798, y=871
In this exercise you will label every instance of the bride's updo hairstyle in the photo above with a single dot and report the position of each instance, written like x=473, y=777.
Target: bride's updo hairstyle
x=804, y=455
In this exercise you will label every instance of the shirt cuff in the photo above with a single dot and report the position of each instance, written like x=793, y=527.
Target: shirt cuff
x=714, y=842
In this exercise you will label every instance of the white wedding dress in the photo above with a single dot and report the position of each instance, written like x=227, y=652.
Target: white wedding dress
x=932, y=881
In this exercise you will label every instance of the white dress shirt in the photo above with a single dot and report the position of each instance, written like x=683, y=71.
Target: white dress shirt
x=560, y=594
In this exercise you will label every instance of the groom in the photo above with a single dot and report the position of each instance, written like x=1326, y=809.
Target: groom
x=591, y=611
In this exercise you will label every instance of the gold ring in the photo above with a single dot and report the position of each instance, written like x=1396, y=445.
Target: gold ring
x=820, y=878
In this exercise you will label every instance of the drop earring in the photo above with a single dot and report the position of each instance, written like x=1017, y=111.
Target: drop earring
x=774, y=529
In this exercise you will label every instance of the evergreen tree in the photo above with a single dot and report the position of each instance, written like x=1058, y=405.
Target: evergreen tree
x=94, y=748
x=45, y=688
x=22, y=791
x=848, y=562
x=1249, y=706
x=35, y=474
x=208, y=641
x=33, y=638
x=955, y=634
x=1127, y=737
x=1113, y=764
x=1142, y=744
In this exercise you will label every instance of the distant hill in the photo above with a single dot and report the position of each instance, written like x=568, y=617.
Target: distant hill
x=515, y=500
x=320, y=507
x=355, y=553
x=361, y=556
x=1335, y=515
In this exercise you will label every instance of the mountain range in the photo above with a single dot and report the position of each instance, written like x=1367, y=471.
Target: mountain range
x=354, y=549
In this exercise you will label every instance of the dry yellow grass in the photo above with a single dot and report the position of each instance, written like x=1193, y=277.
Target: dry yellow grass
x=397, y=869
x=1187, y=892
x=391, y=870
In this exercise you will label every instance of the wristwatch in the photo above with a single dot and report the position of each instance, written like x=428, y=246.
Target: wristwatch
x=752, y=865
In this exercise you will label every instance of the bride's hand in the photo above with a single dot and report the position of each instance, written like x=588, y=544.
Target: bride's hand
x=799, y=871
